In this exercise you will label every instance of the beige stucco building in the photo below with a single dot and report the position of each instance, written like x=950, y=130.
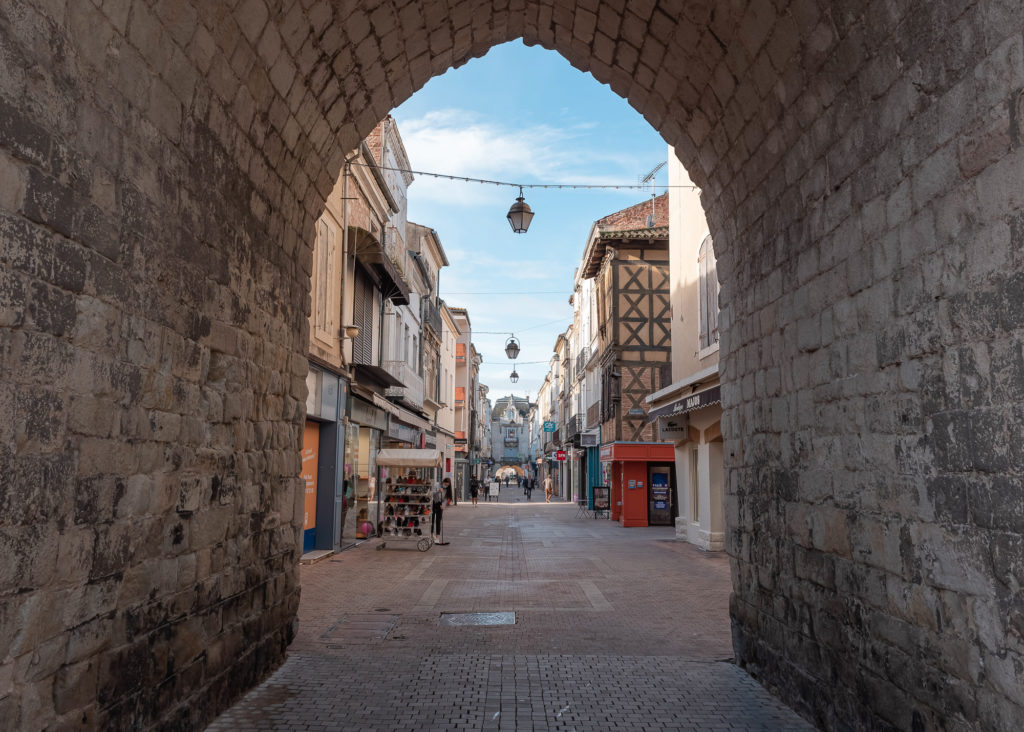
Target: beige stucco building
x=688, y=411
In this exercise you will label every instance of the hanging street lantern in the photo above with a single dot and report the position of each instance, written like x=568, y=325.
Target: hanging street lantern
x=520, y=215
x=512, y=348
x=514, y=377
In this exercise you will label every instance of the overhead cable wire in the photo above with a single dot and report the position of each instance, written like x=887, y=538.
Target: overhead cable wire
x=535, y=292
x=508, y=184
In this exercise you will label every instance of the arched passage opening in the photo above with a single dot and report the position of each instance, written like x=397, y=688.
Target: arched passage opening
x=163, y=164
x=509, y=471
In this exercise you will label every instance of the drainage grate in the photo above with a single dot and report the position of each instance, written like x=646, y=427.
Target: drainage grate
x=508, y=618
x=360, y=629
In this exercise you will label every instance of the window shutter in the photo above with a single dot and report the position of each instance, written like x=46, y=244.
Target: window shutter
x=712, y=288
x=321, y=281
x=362, y=346
x=702, y=276
x=332, y=299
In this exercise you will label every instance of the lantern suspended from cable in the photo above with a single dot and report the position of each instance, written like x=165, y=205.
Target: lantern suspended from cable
x=512, y=348
x=520, y=215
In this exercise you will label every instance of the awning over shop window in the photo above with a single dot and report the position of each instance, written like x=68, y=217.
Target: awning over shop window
x=688, y=403
x=409, y=458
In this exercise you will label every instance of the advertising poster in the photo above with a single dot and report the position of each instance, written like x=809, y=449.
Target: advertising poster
x=310, y=458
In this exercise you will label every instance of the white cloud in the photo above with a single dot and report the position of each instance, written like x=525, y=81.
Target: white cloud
x=463, y=143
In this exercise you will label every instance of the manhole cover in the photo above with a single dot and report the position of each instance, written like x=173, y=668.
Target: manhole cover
x=478, y=618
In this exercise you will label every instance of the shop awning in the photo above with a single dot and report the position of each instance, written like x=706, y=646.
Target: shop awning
x=687, y=403
x=400, y=413
x=409, y=458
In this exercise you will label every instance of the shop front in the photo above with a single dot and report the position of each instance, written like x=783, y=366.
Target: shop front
x=642, y=480
x=694, y=422
x=323, y=445
x=367, y=424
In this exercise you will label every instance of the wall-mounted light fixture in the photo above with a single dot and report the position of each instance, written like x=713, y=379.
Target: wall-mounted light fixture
x=350, y=331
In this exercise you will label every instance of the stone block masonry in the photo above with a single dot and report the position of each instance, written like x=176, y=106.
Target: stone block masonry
x=161, y=167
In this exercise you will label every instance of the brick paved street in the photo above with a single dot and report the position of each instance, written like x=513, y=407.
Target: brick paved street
x=614, y=629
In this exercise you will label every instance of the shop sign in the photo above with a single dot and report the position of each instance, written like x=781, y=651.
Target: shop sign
x=560, y=455
x=588, y=440
x=549, y=426
x=606, y=453
x=368, y=415
x=602, y=498
x=672, y=426
x=688, y=403
x=403, y=433
x=322, y=394
x=703, y=399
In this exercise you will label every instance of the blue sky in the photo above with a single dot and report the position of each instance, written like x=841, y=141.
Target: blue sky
x=520, y=114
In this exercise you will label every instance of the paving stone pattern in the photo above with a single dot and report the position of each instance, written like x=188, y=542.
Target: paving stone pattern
x=615, y=629
x=162, y=164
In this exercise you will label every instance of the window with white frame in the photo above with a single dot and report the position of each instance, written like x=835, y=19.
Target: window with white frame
x=708, y=274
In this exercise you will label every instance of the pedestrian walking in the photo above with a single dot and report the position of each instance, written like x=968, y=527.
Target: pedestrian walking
x=447, y=484
x=529, y=488
x=474, y=489
x=436, y=511
x=549, y=486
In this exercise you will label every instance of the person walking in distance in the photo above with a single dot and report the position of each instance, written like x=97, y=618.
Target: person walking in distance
x=528, y=490
x=447, y=483
x=549, y=487
x=474, y=489
x=436, y=511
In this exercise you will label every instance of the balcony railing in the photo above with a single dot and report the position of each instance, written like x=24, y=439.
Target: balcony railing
x=573, y=426
x=581, y=362
x=432, y=315
x=412, y=391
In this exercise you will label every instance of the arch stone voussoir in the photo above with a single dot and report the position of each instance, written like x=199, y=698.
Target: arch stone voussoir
x=161, y=167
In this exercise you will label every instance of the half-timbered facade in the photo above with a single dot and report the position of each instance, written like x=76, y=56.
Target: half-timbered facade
x=628, y=259
x=627, y=256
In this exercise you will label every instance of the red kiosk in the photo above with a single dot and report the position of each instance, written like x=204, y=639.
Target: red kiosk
x=630, y=477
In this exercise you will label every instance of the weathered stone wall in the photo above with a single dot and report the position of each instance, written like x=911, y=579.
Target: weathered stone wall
x=153, y=302
x=873, y=300
x=162, y=162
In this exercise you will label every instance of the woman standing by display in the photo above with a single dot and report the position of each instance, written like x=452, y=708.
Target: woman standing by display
x=436, y=510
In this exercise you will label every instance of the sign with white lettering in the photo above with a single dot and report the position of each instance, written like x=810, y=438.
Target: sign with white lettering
x=549, y=426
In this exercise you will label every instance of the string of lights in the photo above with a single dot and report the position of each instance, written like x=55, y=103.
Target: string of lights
x=509, y=184
x=535, y=292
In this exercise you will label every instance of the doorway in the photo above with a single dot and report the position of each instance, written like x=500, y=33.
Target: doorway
x=661, y=506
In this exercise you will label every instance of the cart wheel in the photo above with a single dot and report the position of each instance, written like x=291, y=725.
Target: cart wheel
x=381, y=545
x=424, y=544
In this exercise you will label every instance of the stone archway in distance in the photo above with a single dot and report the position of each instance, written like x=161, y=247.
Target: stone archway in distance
x=161, y=167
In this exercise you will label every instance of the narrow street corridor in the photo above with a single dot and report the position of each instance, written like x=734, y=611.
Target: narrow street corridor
x=613, y=629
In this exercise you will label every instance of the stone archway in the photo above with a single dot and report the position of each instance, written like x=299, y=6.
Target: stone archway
x=162, y=162
x=510, y=470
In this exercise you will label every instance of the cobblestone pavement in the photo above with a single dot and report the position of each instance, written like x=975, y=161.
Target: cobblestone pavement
x=614, y=629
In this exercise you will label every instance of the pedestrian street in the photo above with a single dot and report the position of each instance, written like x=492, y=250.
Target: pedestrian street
x=595, y=627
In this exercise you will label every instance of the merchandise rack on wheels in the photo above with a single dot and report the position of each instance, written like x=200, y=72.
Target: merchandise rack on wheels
x=405, y=504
